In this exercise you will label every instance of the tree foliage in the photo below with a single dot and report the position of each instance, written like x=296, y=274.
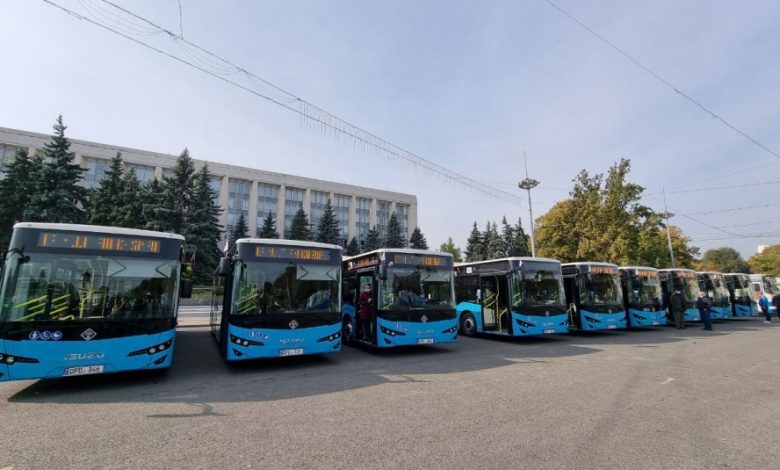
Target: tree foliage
x=106, y=203
x=15, y=189
x=766, y=262
x=725, y=260
x=352, y=248
x=299, y=227
x=240, y=230
x=203, y=230
x=328, y=230
x=417, y=240
x=474, y=248
x=268, y=230
x=373, y=240
x=449, y=247
x=395, y=236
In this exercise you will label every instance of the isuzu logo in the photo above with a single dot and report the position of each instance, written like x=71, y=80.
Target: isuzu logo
x=293, y=325
x=424, y=318
x=88, y=334
x=547, y=313
x=84, y=356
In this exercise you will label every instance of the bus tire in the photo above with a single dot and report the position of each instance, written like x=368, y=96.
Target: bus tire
x=468, y=326
x=347, y=331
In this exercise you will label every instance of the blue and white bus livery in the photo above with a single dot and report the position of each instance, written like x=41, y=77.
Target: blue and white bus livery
x=714, y=286
x=642, y=296
x=594, y=296
x=765, y=286
x=277, y=298
x=511, y=297
x=741, y=293
x=412, y=298
x=83, y=300
x=685, y=280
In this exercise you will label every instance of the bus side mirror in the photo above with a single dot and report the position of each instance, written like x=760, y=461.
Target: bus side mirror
x=224, y=266
x=185, y=288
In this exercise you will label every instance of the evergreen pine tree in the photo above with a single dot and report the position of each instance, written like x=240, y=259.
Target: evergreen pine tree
x=520, y=245
x=131, y=213
x=240, y=230
x=151, y=204
x=106, y=201
x=353, y=248
x=328, y=230
x=492, y=244
x=56, y=195
x=373, y=241
x=395, y=237
x=449, y=247
x=269, y=227
x=177, y=195
x=474, y=251
x=203, y=229
x=417, y=240
x=299, y=227
x=15, y=190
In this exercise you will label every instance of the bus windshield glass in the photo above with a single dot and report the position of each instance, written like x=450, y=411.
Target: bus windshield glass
x=645, y=289
x=688, y=286
x=285, y=287
x=538, y=285
x=743, y=290
x=769, y=285
x=46, y=286
x=715, y=288
x=600, y=289
x=407, y=288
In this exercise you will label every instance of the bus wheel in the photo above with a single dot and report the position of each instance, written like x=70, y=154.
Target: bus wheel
x=346, y=331
x=468, y=326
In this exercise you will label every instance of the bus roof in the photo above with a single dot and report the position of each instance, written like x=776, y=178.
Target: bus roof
x=667, y=270
x=510, y=258
x=276, y=241
x=589, y=263
x=650, y=268
x=709, y=273
x=98, y=229
x=408, y=251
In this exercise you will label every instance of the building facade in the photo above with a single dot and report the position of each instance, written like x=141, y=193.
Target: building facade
x=248, y=191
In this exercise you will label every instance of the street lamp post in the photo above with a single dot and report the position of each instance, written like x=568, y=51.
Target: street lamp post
x=528, y=184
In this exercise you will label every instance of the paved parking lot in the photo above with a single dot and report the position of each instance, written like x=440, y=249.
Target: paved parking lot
x=660, y=398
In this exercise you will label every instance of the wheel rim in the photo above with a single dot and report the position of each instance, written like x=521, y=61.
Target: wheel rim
x=347, y=331
x=468, y=325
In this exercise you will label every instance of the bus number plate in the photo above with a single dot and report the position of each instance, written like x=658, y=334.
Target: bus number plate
x=290, y=352
x=611, y=327
x=425, y=341
x=549, y=332
x=85, y=370
x=656, y=323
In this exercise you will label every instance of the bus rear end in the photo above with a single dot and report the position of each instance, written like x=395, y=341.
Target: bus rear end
x=84, y=300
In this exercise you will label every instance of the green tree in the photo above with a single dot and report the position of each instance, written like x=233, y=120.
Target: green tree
x=515, y=238
x=449, y=247
x=268, y=230
x=177, y=195
x=352, y=248
x=15, y=189
x=131, y=213
x=56, y=195
x=725, y=260
x=299, y=227
x=474, y=250
x=373, y=240
x=766, y=262
x=151, y=195
x=203, y=229
x=106, y=201
x=395, y=236
x=240, y=230
x=493, y=245
x=328, y=230
x=417, y=240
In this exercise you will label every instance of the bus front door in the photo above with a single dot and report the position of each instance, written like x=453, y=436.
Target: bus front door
x=495, y=311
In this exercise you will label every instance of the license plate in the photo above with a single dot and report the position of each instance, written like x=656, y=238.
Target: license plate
x=291, y=352
x=547, y=332
x=611, y=327
x=656, y=323
x=84, y=370
x=425, y=341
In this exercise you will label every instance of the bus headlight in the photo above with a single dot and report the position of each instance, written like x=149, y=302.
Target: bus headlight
x=152, y=350
x=9, y=359
x=244, y=342
x=390, y=332
x=591, y=319
x=524, y=324
x=450, y=330
x=332, y=337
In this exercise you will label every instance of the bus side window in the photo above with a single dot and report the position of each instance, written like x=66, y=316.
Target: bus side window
x=466, y=289
x=348, y=290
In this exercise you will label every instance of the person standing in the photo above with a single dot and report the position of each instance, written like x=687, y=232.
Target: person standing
x=677, y=304
x=764, y=304
x=365, y=311
x=704, y=304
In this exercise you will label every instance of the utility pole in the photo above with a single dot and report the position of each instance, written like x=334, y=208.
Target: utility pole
x=666, y=215
x=528, y=184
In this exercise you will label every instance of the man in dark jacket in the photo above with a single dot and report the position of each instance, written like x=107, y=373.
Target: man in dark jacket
x=677, y=304
x=703, y=304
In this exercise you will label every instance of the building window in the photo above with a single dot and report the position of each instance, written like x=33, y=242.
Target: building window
x=96, y=171
x=238, y=202
x=402, y=212
x=341, y=206
x=382, y=218
x=7, y=154
x=317, y=208
x=216, y=186
x=267, y=196
x=362, y=219
x=142, y=172
x=293, y=200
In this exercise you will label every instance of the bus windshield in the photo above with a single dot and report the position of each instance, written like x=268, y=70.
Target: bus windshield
x=600, y=289
x=46, y=286
x=769, y=285
x=285, y=287
x=688, y=287
x=743, y=290
x=715, y=288
x=645, y=290
x=537, y=286
x=409, y=288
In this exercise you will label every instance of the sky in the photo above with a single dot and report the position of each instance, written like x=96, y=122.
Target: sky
x=468, y=85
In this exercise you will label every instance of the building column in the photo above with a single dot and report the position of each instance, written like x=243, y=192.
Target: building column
x=252, y=219
x=281, y=197
x=372, y=213
x=353, y=218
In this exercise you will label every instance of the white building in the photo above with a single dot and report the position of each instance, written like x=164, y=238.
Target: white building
x=244, y=190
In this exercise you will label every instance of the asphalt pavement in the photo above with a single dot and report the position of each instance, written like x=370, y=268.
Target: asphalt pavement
x=656, y=398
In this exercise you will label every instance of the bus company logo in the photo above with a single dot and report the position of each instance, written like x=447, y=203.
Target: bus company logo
x=88, y=334
x=547, y=313
x=424, y=318
x=293, y=325
x=291, y=341
x=259, y=335
x=84, y=356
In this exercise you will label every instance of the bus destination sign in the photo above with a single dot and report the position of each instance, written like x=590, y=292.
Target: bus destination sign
x=428, y=261
x=97, y=241
x=291, y=253
x=602, y=270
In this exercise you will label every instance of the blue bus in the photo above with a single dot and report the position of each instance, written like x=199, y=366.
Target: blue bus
x=741, y=293
x=642, y=296
x=714, y=286
x=511, y=297
x=81, y=300
x=765, y=286
x=685, y=280
x=277, y=298
x=411, y=296
x=594, y=296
